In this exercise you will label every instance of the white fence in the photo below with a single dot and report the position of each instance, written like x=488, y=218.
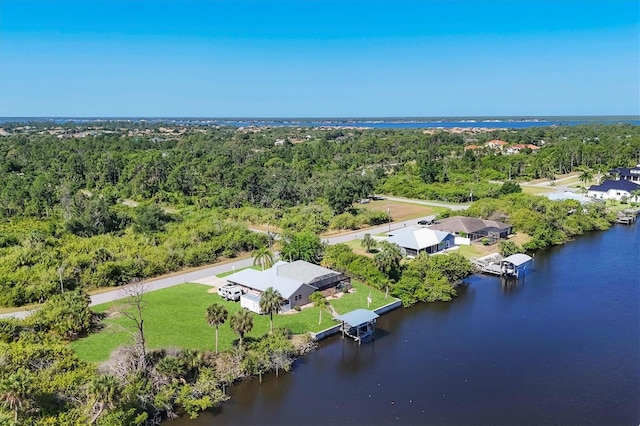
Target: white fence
x=462, y=241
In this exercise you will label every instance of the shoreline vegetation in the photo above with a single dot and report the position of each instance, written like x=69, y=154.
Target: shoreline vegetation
x=189, y=195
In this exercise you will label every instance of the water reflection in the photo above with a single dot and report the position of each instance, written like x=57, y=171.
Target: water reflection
x=510, y=284
x=354, y=357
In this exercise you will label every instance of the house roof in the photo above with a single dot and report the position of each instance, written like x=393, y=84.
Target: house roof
x=417, y=238
x=621, y=185
x=568, y=195
x=496, y=142
x=518, y=259
x=303, y=271
x=625, y=172
x=262, y=280
x=252, y=297
x=358, y=317
x=285, y=277
x=469, y=225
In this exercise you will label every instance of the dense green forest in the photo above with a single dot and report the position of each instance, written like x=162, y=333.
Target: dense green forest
x=109, y=207
x=43, y=176
x=133, y=202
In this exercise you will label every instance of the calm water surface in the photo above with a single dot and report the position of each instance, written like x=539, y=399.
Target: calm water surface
x=559, y=347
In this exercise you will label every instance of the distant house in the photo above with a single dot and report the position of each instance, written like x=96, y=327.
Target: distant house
x=473, y=228
x=632, y=175
x=568, y=195
x=415, y=240
x=472, y=147
x=614, y=190
x=295, y=281
x=496, y=144
x=515, y=149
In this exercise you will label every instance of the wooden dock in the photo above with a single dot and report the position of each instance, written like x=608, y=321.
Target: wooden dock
x=627, y=217
x=495, y=264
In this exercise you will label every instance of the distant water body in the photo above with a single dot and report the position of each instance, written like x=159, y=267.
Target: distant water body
x=374, y=123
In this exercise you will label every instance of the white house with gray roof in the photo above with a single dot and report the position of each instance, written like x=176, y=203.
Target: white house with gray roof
x=415, y=240
x=295, y=281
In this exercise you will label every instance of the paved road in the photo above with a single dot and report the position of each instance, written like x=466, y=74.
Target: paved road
x=210, y=271
x=455, y=207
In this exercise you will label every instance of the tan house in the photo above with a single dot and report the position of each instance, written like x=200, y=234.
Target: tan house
x=496, y=144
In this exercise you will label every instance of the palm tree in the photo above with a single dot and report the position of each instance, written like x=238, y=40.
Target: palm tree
x=320, y=301
x=104, y=392
x=586, y=175
x=270, y=303
x=388, y=259
x=263, y=256
x=216, y=315
x=15, y=392
x=241, y=323
x=635, y=195
x=368, y=242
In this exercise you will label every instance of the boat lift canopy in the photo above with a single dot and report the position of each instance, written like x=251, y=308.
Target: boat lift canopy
x=358, y=317
x=358, y=324
x=517, y=259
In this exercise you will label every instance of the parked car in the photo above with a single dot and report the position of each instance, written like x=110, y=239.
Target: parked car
x=230, y=292
x=426, y=222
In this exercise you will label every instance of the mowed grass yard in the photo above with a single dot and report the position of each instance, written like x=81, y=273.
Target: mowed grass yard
x=175, y=317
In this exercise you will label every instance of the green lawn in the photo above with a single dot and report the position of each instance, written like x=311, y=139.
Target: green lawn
x=175, y=317
x=470, y=251
x=358, y=299
x=538, y=189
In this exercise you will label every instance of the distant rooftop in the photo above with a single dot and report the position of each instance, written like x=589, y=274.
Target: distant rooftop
x=622, y=185
x=417, y=238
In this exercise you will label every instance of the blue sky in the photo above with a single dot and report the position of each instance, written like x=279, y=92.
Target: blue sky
x=319, y=58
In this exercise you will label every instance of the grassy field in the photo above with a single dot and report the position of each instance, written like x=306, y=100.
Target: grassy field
x=478, y=250
x=534, y=190
x=401, y=211
x=175, y=317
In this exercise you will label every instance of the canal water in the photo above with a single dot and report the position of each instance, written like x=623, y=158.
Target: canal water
x=561, y=346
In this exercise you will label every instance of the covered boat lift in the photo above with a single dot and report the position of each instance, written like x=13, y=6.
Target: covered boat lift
x=511, y=266
x=358, y=324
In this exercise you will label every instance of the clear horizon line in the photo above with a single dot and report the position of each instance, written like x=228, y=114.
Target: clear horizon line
x=390, y=117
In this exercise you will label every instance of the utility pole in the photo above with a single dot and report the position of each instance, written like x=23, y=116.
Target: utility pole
x=389, y=215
